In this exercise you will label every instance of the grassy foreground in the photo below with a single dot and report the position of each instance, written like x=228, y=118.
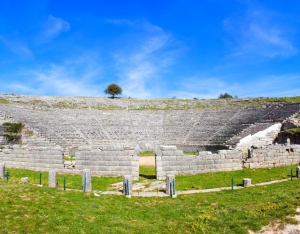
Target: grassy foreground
x=224, y=179
x=27, y=208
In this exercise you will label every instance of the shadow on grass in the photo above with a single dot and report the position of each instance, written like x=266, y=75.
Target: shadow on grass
x=149, y=177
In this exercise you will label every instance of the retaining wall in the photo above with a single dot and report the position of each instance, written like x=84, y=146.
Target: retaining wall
x=274, y=155
x=171, y=160
x=32, y=157
x=109, y=160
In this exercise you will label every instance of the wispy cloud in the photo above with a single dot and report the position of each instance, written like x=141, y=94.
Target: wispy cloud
x=259, y=33
x=272, y=86
x=72, y=78
x=141, y=68
x=203, y=86
x=52, y=27
x=17, y=46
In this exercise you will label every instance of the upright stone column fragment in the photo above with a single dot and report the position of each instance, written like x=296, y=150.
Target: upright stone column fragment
x=86, y=180
x=52, y=179
x=246, y=182
x=127, y=185
x=2, y=170
x=298, y=172
x=170, y=185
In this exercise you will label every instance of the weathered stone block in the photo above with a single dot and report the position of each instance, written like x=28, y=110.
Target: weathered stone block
x=86, y=180
x=84, y=148
x=24, y=180
x=127, y=185
x=52, y=179
x=168, y=148
x=2, y=170
x=246, y=182
x=298, y=172
x=170, y=185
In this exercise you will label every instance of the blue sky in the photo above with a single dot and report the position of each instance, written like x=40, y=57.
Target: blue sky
x=152, y=49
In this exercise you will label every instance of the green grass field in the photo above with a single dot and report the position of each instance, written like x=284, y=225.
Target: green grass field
x=146, y=153
x=27, y=208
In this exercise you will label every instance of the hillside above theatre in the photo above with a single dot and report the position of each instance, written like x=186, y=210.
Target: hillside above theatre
x=104, y=103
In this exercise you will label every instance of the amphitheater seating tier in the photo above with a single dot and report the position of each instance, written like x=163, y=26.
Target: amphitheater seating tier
x=88, y=125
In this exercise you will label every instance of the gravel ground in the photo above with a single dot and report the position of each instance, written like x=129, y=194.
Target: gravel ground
x=275, y=227
x=147, y=161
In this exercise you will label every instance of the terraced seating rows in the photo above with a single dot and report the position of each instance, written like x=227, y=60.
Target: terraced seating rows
x=77, y=126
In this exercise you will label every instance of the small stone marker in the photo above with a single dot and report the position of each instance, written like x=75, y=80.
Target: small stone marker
x=246, y=182
x=86, y=180
x=2, y=170
x=52, y=179
x=170, y=185
x=24, y=180
x=127, y=185
x=298, y=172
x=288, y=142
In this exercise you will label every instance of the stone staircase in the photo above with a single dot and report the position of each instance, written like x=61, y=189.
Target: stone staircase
x=250, y=130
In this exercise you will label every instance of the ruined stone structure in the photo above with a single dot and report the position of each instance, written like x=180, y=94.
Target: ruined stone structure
x=109, y=160
x=171, y=160
x=104, y=134
x=35, y=153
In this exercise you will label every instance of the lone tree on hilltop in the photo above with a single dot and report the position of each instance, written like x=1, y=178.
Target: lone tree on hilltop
x=225, y=95
x=113, y=89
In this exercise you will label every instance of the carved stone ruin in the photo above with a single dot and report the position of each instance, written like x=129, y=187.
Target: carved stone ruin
x=298, y=172
x=52, y=179
x=86, y=180
x=127, y=185
x=2, y=170
x=246, y=182
x=24, y=180
x=170, y=185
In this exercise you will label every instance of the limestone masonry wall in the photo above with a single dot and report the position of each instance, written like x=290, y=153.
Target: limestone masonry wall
x=274, y=155
x=34, y=153
x=171, y=160
x=32, y=157
x=109, y=160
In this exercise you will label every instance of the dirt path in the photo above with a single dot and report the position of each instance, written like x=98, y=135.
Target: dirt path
x=147, y=161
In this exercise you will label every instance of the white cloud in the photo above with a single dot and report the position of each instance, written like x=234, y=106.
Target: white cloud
x=72, y=78
x=17, y=46
x=202, y=86
x=259, y=33
x=52, y=27
x=141, y=69
x=272, y=86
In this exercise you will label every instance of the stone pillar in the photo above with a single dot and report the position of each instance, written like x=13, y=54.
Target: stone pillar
x=127, y=185
x=52, y=179
x=246, y=182
x=170, y=185
x=288, y=142
x=2, y=170
x=24, y=180
x=298, y=172
x=86, y=180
